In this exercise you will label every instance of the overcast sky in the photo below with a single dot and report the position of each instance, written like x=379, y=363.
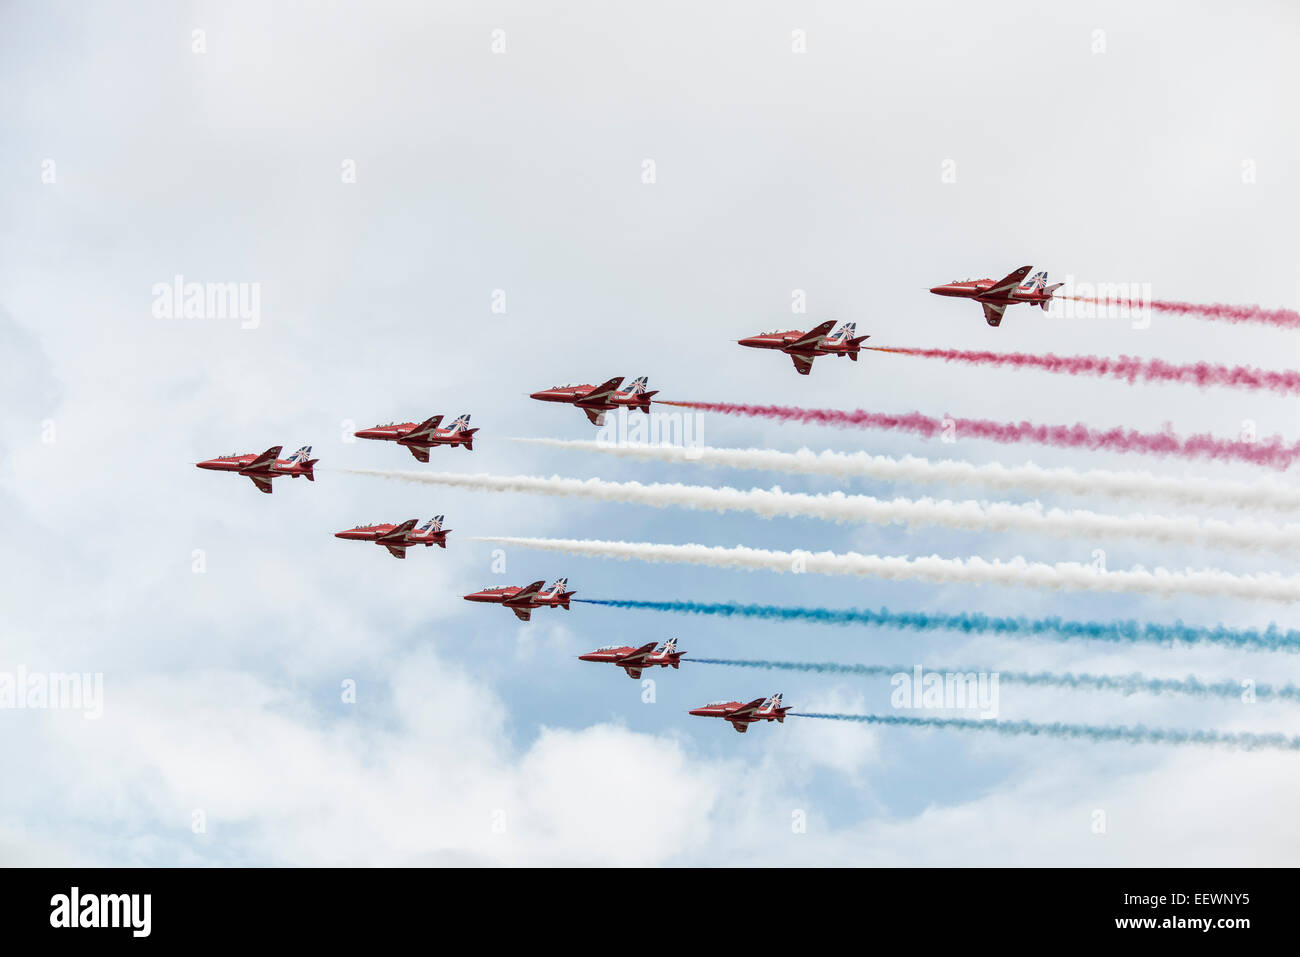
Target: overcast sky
x=384, y=174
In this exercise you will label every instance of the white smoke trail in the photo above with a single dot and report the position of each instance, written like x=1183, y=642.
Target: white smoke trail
x=1004, y=478
x=838, y=507
x=976, y=571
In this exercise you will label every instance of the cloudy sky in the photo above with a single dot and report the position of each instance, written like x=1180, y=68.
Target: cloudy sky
x=385, y=174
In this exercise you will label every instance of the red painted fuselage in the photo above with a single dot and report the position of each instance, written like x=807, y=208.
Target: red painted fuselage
x=633, y=660
x=595, y=400
x=996, y=294
x=397, y=538
x=804, y=347
x=265, y=467
x=523, y=599
x=742, y=715
x=419, y=437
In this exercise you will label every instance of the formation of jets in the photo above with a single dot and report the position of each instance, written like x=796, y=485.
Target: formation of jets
x=421, y=437
x=633, y=660
x=397, y=538
x=596, y=400
x=522, y=600
x=996, y=296
x=804, y=347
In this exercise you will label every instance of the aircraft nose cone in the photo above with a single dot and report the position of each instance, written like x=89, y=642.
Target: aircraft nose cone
x=751, y=342
x=537, y=395
x=209, y=464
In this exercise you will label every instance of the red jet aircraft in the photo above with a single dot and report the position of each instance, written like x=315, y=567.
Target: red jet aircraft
x=596, y=400
x=397, y=538
x=742, y=716
x=996, y=296
x=262, y=468
x=522, y=601
x=804, y=347
x=632, y=660
x=424, y=436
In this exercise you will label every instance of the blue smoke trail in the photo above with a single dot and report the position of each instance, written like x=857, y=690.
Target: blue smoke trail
x=1139, y=734
x=1270, y=639
x=1125, y=684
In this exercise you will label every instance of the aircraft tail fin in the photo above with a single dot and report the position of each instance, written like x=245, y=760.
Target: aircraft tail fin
x=776, y=708
x=640, y=389
x=558, y=591
x=302, y=459
x=1048, y=291
x=435, y=525
x=1035, y=283
x=844, y=333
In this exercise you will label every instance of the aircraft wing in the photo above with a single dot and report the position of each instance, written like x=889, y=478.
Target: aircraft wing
x=802, y=364
x=398, y=551
x=596, y=416
x=813, y=336
x=745, y=709
x=420, y=452
x=399, y=533
x=601, y=391
x=523, y=614
x=993, y=312
x=638, y=655
x=525, y=595
x=427, y=426
x=262, y=483
x=265, y=459
x=1011, y=282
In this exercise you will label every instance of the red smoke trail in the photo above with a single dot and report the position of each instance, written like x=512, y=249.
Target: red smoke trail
x=1128, y=368
x=1272, y=453
x=1283, y=318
